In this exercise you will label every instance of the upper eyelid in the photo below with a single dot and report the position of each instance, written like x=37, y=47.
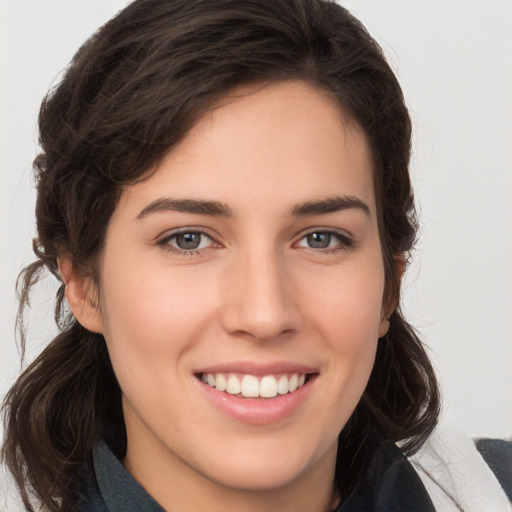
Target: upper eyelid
x=336, y=231
x=168, y=234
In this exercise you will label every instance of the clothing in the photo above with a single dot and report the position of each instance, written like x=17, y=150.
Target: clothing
x=447, y=471
x=110, y=488
x=458, y=478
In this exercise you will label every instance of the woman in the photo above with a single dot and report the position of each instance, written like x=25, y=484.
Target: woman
x=223, y=192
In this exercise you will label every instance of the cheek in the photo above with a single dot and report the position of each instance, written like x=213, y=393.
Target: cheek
x=347, y=313
x=151, y=316
x=347, y=304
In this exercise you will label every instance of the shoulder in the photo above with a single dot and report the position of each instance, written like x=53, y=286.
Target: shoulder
x=497, y=453
x=458, y=472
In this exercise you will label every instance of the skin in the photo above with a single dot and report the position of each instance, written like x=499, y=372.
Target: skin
x=254, y=291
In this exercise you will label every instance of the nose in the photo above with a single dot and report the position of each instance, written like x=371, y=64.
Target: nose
x=260, y=301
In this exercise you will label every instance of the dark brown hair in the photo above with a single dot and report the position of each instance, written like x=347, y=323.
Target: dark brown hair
x=130, y=94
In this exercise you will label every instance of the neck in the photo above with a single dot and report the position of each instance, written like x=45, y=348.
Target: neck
x=177, y=486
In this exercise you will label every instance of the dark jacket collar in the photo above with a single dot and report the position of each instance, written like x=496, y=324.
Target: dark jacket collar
x=109, y=487
x=389, y=483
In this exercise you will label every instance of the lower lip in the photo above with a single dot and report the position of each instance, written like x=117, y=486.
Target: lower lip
x=258, y=411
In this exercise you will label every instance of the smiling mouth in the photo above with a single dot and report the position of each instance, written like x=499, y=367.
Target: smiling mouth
x=250, y=386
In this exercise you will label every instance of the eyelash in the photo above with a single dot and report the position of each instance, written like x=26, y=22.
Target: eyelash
x=164, y=242
x=345, y=242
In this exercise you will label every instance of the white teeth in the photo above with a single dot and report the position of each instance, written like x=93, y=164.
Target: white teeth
x=294, y=382
x=252, y=387
x=282, y=385
x=268, y=387
x=233, y=386
x=220, y=382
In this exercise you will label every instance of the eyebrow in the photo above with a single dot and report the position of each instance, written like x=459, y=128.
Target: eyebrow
x=200, y=207
x=218, y=209
x=330, y=205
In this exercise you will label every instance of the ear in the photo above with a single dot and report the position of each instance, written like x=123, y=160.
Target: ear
x=389, y=307
x=81, y=294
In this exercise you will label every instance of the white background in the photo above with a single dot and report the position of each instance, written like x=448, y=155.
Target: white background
x=454, y=60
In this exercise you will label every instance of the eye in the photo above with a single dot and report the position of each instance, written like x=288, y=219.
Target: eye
x=186, y=241
x=324, y=239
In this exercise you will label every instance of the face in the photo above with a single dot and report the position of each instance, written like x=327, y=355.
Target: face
x=241, y=292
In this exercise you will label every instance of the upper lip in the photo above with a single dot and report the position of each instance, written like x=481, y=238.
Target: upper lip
x=257, y=369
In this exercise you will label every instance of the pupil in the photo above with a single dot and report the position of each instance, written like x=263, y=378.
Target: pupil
x=319, y=240
x=188, y=240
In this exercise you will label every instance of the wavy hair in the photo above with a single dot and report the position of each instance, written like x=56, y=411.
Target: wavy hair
x=130, y=94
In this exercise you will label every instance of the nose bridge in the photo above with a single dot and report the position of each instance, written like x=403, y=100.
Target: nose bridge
x=261, y=304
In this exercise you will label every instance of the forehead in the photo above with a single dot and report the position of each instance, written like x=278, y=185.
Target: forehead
x=262, y=145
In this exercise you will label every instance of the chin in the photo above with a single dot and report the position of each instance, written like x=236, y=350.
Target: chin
x=267, y=467
x=257, y=476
